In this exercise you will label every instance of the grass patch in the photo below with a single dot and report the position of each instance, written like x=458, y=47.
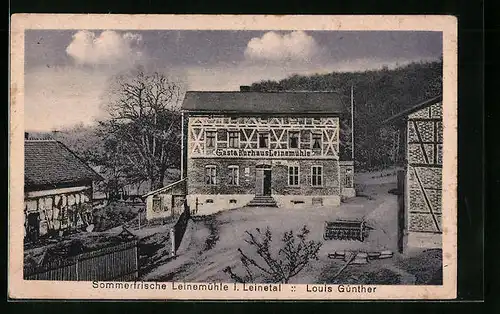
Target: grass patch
x=426, y=266
x=363, y=275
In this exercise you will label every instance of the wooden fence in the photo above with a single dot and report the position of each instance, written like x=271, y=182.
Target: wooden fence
x=180, y=226
x=118, y=263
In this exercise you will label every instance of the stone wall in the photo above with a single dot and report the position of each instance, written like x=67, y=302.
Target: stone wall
x=205, y=199
x=206, y=204
x=196, y=176
x=247, y=179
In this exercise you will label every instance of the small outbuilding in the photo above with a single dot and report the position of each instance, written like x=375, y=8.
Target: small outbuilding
x=167, y=201
x=58, y=189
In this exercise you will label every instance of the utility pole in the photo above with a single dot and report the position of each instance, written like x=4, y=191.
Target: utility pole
x=352, y=122
x=139, y=218
x=182, y=145
x=172, y=243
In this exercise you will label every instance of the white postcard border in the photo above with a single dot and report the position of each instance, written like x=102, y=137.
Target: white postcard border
x=22, y=289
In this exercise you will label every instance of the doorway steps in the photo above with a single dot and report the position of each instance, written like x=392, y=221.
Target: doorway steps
x=262, y=201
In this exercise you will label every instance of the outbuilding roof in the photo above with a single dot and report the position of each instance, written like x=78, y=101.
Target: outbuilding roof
x=405, y=113
x=283, y=102
x=49, y=162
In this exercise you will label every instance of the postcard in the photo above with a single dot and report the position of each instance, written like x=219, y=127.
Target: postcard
x=233, y=157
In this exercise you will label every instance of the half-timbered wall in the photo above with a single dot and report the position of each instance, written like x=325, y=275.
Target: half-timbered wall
x=60, y=209
x=233, y=143
x=424, y=155
x=278, y=129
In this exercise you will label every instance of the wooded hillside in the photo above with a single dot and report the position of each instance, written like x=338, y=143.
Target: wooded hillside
x=378, y=94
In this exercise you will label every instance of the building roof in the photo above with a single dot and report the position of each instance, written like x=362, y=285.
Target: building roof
x=160, y=190
x=264, y=102
x=48, y=162
x=403, y=114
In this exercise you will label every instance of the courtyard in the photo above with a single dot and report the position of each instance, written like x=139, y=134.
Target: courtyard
x=211, y=242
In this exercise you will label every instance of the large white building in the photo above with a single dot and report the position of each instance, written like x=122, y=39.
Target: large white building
x=248, y=148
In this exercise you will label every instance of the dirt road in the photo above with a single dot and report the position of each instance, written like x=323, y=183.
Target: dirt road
x=212, y=242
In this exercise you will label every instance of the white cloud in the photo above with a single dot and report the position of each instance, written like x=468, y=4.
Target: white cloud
x=294, y=46
x=109, y=47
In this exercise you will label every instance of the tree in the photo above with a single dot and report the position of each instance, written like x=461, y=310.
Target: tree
x=82, y=140
x=378, y=95
x=295, y=253
x=144, y=125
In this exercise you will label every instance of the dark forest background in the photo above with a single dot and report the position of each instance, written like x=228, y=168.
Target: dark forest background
x=378, y=94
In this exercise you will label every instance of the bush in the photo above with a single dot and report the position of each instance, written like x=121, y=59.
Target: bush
x=114, y=214
x=295, y=253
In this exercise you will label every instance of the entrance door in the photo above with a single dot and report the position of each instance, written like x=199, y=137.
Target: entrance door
x=267, y=182
x=33, y=230
x=259, y=182
x=263, y=180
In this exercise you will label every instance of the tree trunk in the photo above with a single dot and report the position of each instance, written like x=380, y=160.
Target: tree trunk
x=161, y=177
x=154, y=183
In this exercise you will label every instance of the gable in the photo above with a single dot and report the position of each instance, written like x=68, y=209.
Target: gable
x=48, y=162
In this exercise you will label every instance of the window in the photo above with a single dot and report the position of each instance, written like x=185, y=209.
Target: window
x=234, y=175
x=317, y=175
x=293, y=139
x=157, y=204
x=317, y=201
x=210, y=175
x=263, y=140
x=317, y=140
x=234, y=137
x=293, y=175
x=210, y=138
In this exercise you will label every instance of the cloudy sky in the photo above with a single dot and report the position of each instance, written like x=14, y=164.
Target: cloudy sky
x=66, y=72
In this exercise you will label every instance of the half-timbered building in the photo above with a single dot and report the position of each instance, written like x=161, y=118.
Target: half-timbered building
x=421, y=129
x=58, y=189
x=250, y=148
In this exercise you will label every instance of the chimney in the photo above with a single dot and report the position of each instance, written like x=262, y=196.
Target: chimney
x=26, y=135
x=244, y=88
